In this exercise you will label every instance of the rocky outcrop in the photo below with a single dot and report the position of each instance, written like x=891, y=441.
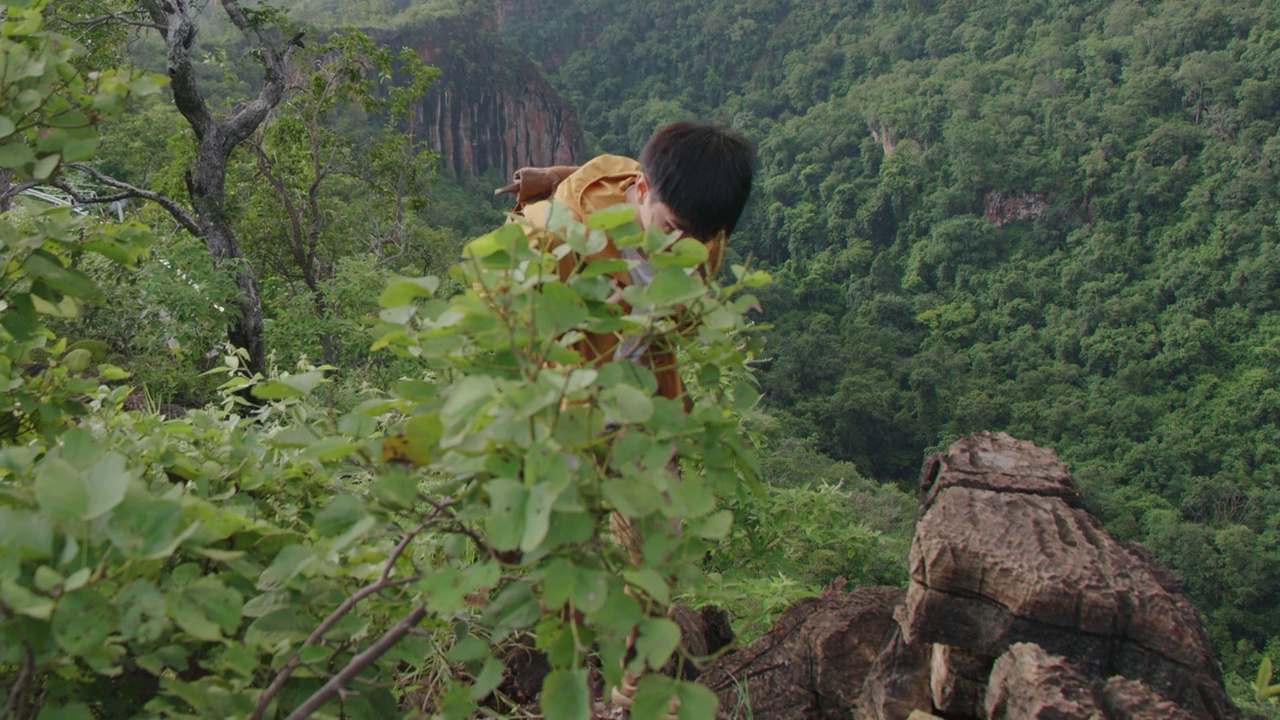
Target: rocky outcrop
x=802, y=666
x=1019, y=606
x=492, y=110
x=1029, y=683
x=1002, y=207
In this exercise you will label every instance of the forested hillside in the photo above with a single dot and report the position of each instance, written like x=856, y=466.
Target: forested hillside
x=1055, y=219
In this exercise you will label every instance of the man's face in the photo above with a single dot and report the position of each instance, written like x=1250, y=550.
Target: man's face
x=652, y=212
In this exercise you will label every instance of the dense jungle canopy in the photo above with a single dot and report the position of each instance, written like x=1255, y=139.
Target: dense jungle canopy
x=1053, y=219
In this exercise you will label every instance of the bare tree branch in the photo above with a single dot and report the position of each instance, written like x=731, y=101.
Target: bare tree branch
x=359, y=662
x=383, y=582
x=273, y=56
x=295, y=221
x=182, y=216
x=121, y=18
x=16, y=190
x=179, y=33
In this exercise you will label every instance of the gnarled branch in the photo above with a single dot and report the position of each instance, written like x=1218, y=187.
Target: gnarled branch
x=129, y=191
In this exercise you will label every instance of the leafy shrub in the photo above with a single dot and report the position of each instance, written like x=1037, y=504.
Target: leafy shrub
x=253, y=560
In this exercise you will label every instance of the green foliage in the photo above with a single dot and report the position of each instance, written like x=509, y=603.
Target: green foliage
x=1051, y=219
x=230, y=561
x=334, y=179
x=50, y=105
x=252, y=559
x=540, y=449
x=1263, y=689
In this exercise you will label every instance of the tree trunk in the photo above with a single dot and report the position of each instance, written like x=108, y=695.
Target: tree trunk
x=208, y=195
x=6, y=181
x=215, y=141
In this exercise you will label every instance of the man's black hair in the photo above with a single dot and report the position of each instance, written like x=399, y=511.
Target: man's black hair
x=702, y=172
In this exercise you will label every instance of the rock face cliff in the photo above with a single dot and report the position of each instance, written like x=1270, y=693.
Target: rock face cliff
x=1020, y=606
x=492, y=110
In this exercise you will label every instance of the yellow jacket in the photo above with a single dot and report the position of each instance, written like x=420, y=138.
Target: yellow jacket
x=598, y=184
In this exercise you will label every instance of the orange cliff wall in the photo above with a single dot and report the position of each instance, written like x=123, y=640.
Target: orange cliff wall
x=492, y=110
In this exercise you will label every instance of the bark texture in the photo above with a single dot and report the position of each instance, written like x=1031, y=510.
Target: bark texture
x=215, y=140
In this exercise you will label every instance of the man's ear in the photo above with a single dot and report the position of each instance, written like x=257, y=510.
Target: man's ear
x=642, y=187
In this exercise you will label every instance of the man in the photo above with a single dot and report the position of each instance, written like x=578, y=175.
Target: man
x=692, y=177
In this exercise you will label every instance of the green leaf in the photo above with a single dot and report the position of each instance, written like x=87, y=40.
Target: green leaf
x=653, y=699
x=108, y=481
x=611, y=217
x=627, y=404
x=466, y=398
x=22, y=601
x=67, y=307
x=404, y=291
x=508, y=501
x=566, y=695
x=632, y=497
x=77, y=150
x=757, y=279
x=715, y=526
x=290, y=561
x=590, y=590
x=61, y=490
x=415, y=390
x=83, y=621
x=603, y=266
x=6, y=127
x=673, y=286
x=557, y=582
x=45, y=266
x=558, y=309
x=77, y=360
x=468, y=649
x=142, y=611
x=397, y=490
x=508, y=238
x=15, y=155
x=339, y=514
x=70, y=711
x=651, y=582
x=111, y=372
x=146, y=84
x=537, y=518
x=657, y=640
x=305, y=382
x=696, y=701
x=331, y=448
x=45, y=166
x=284, y=625
x=487, y=680
x=422, y=436
x=215, y=601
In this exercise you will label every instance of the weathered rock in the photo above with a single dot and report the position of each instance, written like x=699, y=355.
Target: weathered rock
x=492, y=110
x=1125, y=699
x=1005, y=553
x=957, y=679
x=703, y=632
x=811, y=662
x=897, y=685
x=1028, y=683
